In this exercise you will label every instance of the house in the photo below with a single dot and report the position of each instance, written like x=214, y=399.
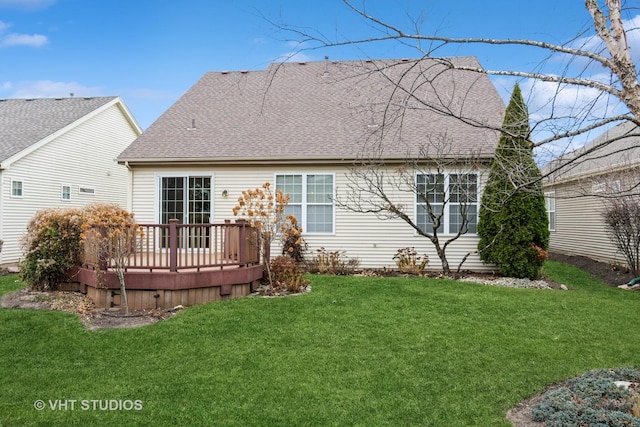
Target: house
x=306, y=127
x=59, y=153
x=580, y=183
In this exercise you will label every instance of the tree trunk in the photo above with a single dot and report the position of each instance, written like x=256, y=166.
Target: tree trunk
x=443, y=258
x=123, y=292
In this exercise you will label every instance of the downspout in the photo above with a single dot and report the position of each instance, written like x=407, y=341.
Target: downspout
x=129, y=187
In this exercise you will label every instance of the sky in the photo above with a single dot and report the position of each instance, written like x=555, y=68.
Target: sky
x=150, y=52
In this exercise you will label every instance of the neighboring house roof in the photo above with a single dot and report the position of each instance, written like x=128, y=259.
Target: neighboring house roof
x=326, y=111
x=24, y=123
x=616, y=149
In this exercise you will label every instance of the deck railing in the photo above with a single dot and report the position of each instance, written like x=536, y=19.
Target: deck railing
x=174, y=247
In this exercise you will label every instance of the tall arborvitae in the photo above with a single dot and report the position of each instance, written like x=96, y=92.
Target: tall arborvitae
x=513, y=224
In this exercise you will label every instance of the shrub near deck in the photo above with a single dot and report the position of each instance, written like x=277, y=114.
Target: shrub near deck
x=356, y=350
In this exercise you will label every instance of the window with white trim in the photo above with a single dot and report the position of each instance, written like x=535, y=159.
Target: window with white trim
x=65, y=193
x=310, y=200
x=17, y=188
x=186, y=198
x=447, y=202
x=550, y=205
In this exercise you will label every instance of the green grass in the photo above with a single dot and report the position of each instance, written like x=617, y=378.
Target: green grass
x=355, y=351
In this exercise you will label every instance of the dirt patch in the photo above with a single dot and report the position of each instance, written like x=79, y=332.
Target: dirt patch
x=79, y=304
x=520, y=415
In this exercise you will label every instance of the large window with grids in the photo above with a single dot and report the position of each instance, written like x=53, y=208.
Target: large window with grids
x=185, y=198
x=448, y=202
x=310, y=200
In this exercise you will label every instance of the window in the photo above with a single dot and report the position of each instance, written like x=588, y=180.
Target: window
x=310, y=200
x=185, y=198
x=16, y=188
x=451, y=200
x=550, y=204
x=599, y=187
x=87, y=190
x=66, y=192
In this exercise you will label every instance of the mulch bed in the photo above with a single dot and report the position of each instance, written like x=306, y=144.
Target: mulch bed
x=612, y=275
x=79, y=304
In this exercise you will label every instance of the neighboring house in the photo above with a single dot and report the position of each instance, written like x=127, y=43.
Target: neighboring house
x=577, y=192
x=302, y=126
x=59, y=153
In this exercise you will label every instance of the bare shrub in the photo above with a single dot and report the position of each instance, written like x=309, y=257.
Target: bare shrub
x=622, y=217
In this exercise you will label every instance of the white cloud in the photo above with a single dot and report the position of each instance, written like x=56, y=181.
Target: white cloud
x=294, y=56
x=51, y=89
x=26, y=4
x=556, y=108
x=32, y=40
x=17, y=39
x=553, y=100
x=295, y=53
x=594, y=43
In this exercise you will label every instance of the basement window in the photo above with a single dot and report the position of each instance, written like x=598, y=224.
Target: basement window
x=87, y=190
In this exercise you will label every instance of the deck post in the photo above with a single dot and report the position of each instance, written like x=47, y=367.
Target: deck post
x=242, y=237
x=226, y=247
x=173, y=245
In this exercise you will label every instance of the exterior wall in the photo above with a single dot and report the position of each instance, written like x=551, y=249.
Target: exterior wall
x=580, y=228
x=373, y=241
x=82, y=157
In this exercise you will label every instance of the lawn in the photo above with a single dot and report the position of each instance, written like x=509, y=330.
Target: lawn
x=355, y=351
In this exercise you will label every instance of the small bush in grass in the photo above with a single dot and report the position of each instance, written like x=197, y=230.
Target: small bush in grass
x=622, y=218
x=52, y=247
x=592, y=399
x=333, y=262
x=287, y=274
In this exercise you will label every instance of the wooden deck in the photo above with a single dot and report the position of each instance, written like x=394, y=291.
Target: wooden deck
x=178, y=265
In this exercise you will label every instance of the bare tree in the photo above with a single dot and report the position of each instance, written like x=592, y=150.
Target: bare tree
x=603, y=44
x=441, y=185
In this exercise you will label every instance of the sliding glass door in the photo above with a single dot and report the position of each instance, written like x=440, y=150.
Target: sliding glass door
x=187, y=199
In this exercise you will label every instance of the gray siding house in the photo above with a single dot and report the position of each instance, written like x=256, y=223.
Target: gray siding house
x=304, y=127
x=577, y=193
x=58, y=153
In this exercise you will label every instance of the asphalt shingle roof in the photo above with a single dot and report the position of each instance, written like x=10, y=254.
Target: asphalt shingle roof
x=24, y=122
x=616, y=148
x=327, y=110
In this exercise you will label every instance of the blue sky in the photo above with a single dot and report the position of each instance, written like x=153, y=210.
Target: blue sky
x=151, y=52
